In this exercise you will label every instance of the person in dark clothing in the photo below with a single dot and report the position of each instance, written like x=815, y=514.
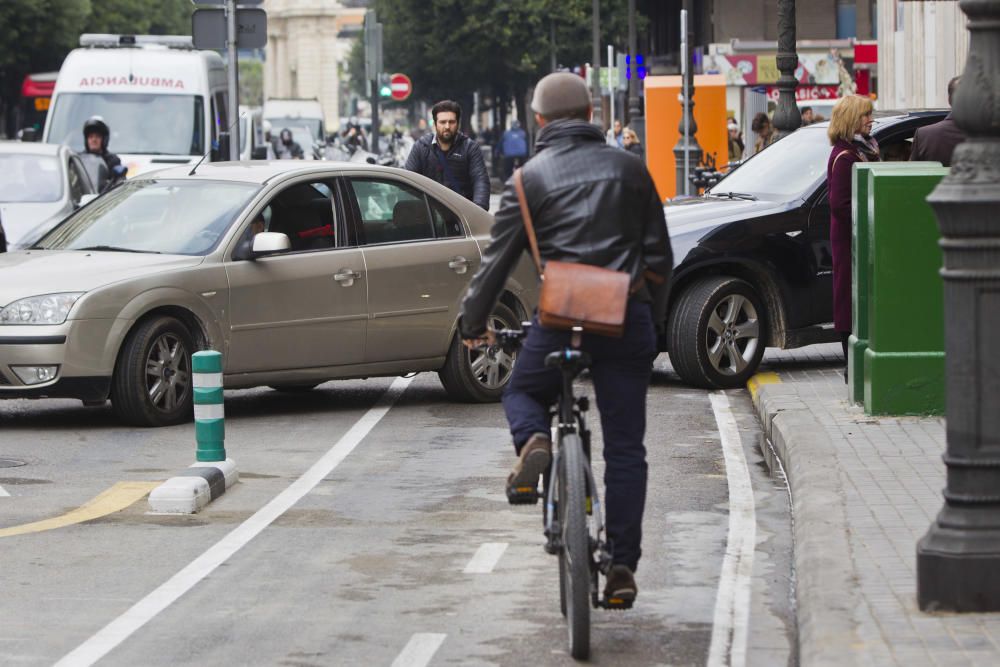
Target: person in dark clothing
x=96, y=135
x=286, y=148
x=451, y=158
x=937, y=142
x=593, y=204
x=850, y=135
x=631, y=143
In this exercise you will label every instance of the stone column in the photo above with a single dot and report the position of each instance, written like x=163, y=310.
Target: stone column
x=787, y=118
x=958, y=560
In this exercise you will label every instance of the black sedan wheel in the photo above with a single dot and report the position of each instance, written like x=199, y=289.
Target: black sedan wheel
x=716, y=333
x=479, y=376
x=152, y=381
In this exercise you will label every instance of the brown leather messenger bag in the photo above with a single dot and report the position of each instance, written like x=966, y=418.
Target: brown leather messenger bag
x=576, y=295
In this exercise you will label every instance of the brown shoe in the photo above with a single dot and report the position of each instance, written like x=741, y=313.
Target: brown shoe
x=619, y=588
x=522, y=483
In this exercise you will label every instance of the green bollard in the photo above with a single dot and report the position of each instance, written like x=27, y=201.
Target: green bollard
x=857, y=343
x=904, y=362
x=209, y=416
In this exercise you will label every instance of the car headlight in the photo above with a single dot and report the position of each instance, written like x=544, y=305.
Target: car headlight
x=44, y=309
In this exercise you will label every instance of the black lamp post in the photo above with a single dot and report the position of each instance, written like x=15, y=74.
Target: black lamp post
x=685, y=164
x=597, y=118
x=787, y=118
x=635, y=117
x=958, y=560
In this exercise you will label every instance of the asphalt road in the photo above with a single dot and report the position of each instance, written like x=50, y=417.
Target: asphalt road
x=403, y=553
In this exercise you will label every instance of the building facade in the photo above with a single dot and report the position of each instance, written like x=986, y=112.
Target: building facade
x=308, y=41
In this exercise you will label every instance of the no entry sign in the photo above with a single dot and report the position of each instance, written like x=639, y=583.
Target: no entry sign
x=401, y=86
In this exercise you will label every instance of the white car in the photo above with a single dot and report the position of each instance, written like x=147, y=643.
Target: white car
x=41, y=185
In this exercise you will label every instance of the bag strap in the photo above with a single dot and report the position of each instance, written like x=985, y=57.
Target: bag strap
x=839, y=155
x=526, y=217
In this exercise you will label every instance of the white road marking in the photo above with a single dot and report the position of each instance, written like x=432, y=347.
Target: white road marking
x=486, y=558
x=3, y=493
x=419, y=650
x=120, y=629
x=732, y=601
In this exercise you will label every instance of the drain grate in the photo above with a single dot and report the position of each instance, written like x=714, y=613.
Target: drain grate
x=10, y=463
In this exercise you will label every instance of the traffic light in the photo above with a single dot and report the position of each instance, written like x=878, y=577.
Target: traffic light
x=384, y=87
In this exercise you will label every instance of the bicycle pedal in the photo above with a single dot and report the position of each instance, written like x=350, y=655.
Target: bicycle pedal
x=522, y=495
x=617, y=604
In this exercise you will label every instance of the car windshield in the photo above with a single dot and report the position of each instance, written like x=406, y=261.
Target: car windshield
x=140, y=123
x=785, y=169
x=30, y=178
x=175, y=217
x=310, y=124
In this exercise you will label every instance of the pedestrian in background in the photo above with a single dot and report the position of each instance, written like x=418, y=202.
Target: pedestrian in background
x=937, y=142
x=850, y=136
x=451, y=158
x=616, y=136
x=592, y=205
x=420, y=130
x=736, y=146
x=514, y=148
x=807, y=116
x=631, y=143
x=761, y=126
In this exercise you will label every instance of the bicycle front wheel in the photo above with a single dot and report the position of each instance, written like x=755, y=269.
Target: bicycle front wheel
x=574, y=558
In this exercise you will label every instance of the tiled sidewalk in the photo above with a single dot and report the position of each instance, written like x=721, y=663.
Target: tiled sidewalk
x=864, y=490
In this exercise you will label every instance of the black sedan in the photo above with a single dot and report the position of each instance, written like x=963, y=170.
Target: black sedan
x=752, y=256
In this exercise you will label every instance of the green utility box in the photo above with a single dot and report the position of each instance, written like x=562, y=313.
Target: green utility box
x=904, y=362
x=858, y=341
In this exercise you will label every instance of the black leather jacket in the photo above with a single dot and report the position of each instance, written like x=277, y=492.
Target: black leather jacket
x=466, y=167
x=591, y=203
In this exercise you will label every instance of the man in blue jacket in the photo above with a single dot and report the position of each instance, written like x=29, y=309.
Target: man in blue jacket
x=451, y=158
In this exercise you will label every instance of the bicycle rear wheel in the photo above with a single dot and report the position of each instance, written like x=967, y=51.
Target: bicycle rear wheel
x=574, y=558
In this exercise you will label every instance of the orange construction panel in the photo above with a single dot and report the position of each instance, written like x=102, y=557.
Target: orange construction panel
x=663, y=117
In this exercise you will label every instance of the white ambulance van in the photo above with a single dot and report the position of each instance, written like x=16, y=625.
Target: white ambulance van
x=164, y=101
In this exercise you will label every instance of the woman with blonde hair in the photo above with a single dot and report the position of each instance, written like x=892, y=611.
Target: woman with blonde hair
x=850, y=135
x=631, y=143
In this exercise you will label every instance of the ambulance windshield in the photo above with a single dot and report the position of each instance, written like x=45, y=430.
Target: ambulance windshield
x=141, y=123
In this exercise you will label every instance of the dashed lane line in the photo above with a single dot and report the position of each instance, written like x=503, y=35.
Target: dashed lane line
x=3, y=493
x=419, y=650
x=732, y=603
x=115, y=499
x=121, y=628
x=486, y=558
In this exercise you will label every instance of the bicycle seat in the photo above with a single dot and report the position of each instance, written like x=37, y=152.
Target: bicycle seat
x=567, y=357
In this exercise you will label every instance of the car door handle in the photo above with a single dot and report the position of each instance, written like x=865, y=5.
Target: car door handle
x=458, y=264
x=346, y=277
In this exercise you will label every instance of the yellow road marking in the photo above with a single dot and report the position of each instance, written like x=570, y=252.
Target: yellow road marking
x=760, y=379
x=115, y=499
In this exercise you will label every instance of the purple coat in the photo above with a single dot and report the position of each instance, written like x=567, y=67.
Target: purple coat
x=838, y=175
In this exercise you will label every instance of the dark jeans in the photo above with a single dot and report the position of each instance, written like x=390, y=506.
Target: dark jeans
x=620, y=372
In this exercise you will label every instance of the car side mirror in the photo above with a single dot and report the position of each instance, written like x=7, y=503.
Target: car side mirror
x=259, y=153
x=269, y=243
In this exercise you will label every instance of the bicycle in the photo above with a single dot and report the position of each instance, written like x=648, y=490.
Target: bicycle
x=574, y=525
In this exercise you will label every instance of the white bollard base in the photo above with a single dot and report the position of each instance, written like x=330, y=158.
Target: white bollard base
x=195, y=488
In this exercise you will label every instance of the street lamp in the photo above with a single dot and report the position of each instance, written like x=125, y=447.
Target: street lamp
x=958, y=560
x=787, y=118
x=597, y=119
x=635, y=119
x=687, y=152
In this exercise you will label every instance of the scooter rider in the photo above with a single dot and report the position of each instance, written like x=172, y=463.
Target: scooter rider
x=95, y=141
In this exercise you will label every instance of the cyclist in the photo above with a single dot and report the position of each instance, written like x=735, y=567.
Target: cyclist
x=593, y=204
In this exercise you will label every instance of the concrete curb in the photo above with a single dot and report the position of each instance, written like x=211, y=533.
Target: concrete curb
x=826, y=587
x=193, y=489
